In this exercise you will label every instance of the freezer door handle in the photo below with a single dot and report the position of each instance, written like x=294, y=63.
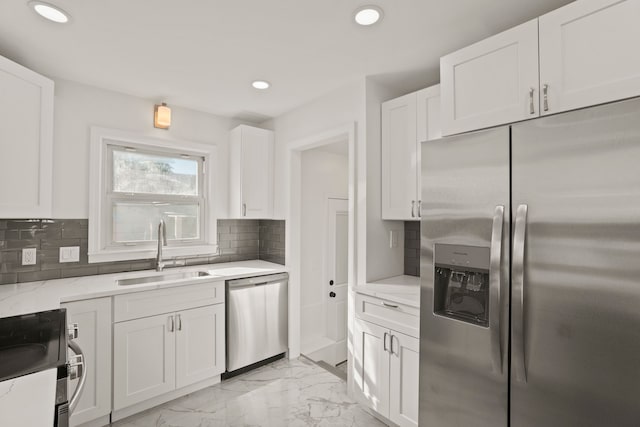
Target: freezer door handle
x=519, y=237
x=495, y=283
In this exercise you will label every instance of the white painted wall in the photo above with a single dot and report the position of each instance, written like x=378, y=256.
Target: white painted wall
x=381, y=260
x=323, y=175
x=78, y=107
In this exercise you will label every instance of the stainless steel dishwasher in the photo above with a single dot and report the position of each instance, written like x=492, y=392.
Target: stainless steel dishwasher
x=257, y=314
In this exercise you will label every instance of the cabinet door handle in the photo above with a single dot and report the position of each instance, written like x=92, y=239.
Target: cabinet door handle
x=419, y=208
x=392, y=337
x=179, y=322
x=545, y=96
x=532, y=109
x=386, y=304
x=244, y=209
x=413, y=208
x=172, y=325
x=384, y=341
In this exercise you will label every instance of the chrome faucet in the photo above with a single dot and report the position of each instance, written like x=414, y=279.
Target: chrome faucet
x=162, y=241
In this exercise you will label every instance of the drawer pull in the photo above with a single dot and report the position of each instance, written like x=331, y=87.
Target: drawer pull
x=386, y=304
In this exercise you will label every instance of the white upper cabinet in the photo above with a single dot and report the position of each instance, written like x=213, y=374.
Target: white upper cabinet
x=399, y=158
x=251, y=173
x=580, y=55
x=491, y=82
x=589, y=54
x=26, y=142
x=406, y=122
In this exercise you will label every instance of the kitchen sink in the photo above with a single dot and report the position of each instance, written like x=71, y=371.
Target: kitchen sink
x=163, y=278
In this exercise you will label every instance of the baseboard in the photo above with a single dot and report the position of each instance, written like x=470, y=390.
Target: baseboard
x=98, y=422
x=159, y=400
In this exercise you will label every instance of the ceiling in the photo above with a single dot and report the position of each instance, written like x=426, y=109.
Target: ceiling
x=203, y=54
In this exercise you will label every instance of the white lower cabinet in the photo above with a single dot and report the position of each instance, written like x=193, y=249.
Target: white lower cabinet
x=144, y=364
x=403, y=379
x=161, y=345
x=94, y=337
x=386, y=371
x=200, y=351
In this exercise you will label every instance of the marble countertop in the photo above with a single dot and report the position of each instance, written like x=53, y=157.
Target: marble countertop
x=29, y=400
x=31, y=297
x=401, y=289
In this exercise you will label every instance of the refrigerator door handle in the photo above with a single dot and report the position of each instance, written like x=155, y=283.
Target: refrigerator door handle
x=519, y=237
x=495, y=284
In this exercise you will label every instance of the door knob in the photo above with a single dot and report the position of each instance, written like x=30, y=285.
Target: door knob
x=331, y=282
x=332, y=294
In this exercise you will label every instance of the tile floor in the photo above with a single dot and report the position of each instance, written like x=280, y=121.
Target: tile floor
x=284, y=393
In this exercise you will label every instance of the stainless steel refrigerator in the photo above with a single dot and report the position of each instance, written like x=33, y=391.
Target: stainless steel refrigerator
x=530, y=273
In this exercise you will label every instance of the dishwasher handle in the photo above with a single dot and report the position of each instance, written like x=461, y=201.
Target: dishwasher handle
x=257, y=281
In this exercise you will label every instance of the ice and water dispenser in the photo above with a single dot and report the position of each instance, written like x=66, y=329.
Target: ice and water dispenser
x=461, y=285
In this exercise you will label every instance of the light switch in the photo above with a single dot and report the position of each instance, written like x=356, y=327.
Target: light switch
x=70, y=254
x=393, y=238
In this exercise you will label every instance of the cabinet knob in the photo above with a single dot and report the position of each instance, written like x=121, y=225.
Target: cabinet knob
x=331, y=282
x=332, y=294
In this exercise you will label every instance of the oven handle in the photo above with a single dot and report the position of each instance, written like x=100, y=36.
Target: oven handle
x=77, y=368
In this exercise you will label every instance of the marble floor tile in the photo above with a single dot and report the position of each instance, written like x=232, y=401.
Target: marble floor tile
x=284, y=393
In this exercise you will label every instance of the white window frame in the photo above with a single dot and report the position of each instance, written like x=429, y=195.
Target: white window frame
x=101, y=248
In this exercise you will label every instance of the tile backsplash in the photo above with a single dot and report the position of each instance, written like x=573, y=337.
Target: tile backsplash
x=239, y=240
x=412, y=248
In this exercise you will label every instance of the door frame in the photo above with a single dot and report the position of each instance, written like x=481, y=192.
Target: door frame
x=293, y=244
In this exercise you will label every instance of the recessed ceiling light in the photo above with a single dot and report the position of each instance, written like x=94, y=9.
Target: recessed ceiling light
x=368, y=15
x=50, y=12
x=261, y=84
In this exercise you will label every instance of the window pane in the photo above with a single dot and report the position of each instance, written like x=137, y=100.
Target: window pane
x=135, y=172
x=135, y=222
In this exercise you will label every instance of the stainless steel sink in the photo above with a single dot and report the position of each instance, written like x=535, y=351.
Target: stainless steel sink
x=163, y=278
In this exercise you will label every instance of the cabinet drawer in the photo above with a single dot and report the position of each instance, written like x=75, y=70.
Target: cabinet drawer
x=389, y=314
x=149, y=303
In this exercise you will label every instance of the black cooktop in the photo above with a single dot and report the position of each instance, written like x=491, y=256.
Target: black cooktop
x=32, y=342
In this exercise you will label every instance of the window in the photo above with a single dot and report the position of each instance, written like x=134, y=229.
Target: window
x=140, y=182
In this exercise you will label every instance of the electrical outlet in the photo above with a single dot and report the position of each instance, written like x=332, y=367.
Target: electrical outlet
x=29, y=256
x=70, y=254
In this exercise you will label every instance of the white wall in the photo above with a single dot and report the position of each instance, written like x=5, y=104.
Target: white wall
x=323, y=175
x=381, y=260
x=78, y=107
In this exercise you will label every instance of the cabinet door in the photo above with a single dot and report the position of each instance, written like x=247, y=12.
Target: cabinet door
x=26, y=142
x=94, y=337
x=588, y=54
x=429, y=127
x=143, y=359
x=199, y=344
x=371, y=365
x=404, y=368
x=399, y=158
x=492, y=82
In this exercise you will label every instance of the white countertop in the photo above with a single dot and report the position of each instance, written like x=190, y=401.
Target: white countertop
x=400, y=289
x=31, y=297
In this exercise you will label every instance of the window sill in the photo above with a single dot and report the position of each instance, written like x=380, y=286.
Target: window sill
x=135, y=254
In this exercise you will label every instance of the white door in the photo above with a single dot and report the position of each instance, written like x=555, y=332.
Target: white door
x=589, y=54
x=144, y=359
x=371, y=365
x=336, y=276
x=94, y=337
x=399, y=158
x=199, y=344
x=492, y=82
x=257, y=173
x=403, y=374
